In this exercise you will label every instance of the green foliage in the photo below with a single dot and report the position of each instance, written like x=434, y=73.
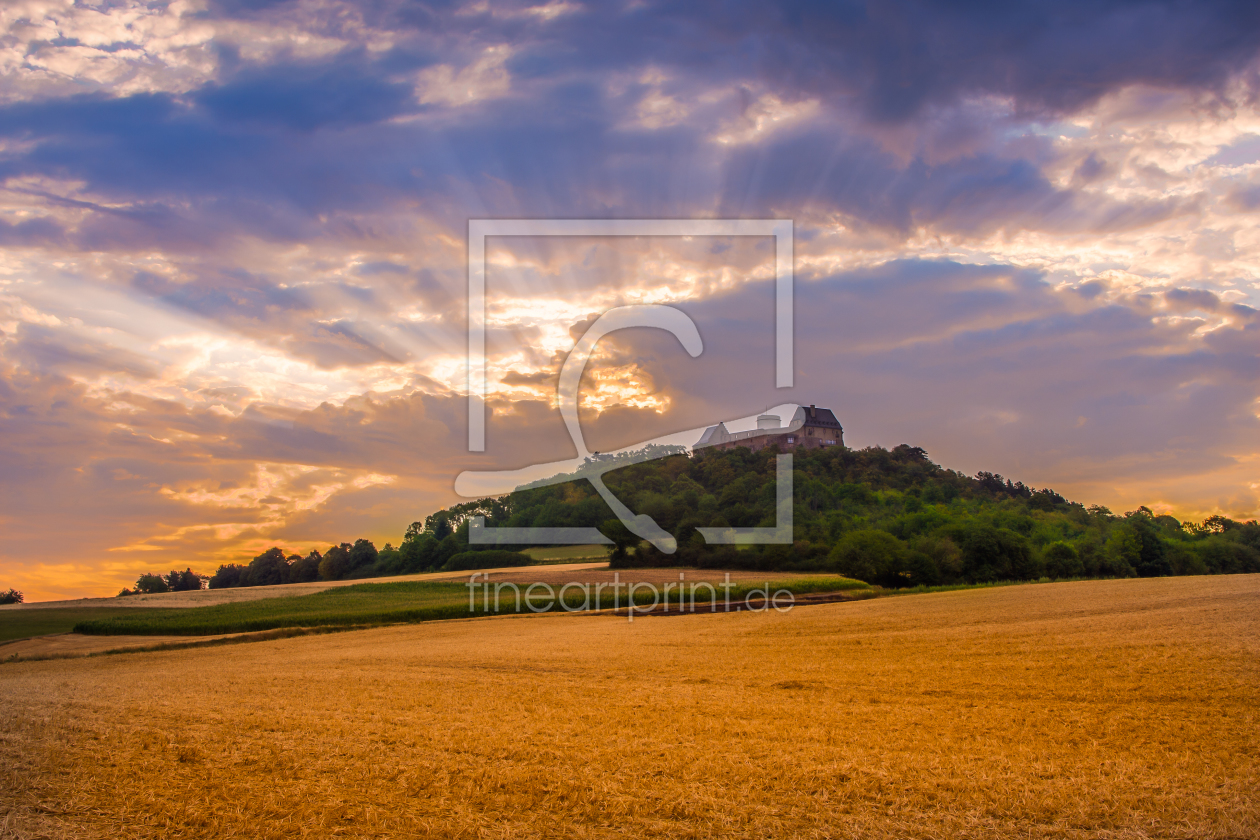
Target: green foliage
x=384, y=603
x=1063, y=560
x=267, y=569
x=567, y=553
x=419, y=552
x=346, y=605
x=870, y=555
x=622, y=539
x=185, y=581
x=362, y=557
x=991, y=554
x=149, y=584
x=305, y=569
x=493, y=559
x=891, y=517
x=227, y=576
x=11, y=597
x=336, y=562
x=27, y=623
x=600, y=463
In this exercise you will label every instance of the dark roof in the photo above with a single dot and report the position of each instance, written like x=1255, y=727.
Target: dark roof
x=814, y=416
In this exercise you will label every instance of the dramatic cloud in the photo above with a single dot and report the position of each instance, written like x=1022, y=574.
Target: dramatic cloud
x=233, y=256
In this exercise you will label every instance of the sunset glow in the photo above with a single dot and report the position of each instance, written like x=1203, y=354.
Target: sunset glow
x=233, y=257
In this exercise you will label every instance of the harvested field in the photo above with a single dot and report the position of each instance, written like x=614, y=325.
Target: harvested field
x=1118, y=709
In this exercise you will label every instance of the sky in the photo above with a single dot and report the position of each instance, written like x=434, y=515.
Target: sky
x=233, y=251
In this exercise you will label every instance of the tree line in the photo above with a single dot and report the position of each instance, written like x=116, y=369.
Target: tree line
x=888, y=517
x=148, y=583
x=428, y=546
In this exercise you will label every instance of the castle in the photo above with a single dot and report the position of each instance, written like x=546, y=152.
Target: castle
x=812, y=428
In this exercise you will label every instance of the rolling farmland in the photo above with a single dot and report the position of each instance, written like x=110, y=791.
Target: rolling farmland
x=1093, y=709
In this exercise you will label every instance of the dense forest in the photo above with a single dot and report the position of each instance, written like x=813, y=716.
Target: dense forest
x=891, y=518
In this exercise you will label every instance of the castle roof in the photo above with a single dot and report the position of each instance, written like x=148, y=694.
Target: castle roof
x=812, y=415
x=713, y=434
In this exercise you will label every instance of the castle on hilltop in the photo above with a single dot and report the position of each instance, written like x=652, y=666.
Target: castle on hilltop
x=812, y=428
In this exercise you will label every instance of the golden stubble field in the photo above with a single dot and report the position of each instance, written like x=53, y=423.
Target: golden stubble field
x=1105, y=709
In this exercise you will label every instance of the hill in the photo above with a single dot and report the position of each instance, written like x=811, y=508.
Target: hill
x=890, y=517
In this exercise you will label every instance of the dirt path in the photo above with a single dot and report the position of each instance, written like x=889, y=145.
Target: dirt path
x=75, y=644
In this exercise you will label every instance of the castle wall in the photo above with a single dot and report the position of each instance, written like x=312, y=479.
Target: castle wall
x=808, y=437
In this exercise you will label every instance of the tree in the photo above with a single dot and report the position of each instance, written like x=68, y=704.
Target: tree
x=11, y=597
x=149, y=584
x=267, y=569
x=418, y=551
x=939, y=525
x=185, y=581
x=228, y=576
x=362, y=556
x=996, y=554
x=906, y=452
x=874, y=557
x=1224, y=556
x=1152, y=560
x=335, y=563
x=622, y=539
x=448, y=548
x=1062, y=560
x=305, y=569
x=1123, y=552
x=945, y=555
x=389, y=561
x=1218, y=524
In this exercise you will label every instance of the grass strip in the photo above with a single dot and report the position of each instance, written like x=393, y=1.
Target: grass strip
x=416, y=601
x=28, y=621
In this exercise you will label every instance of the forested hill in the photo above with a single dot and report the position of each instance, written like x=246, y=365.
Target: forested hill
x=892, y=518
